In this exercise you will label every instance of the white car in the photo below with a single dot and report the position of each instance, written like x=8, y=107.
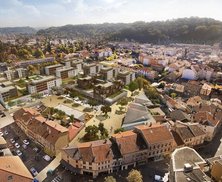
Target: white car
x=33, y=171
x=1, y=134
x=26, y=142
x=12, y=140
x=46, y=157
x=24, y=146
x=18, y=152
x=17, y=145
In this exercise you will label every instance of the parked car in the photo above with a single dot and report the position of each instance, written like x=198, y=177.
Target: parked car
x=1, y=134
x=36, y=149
x=158, y=178
x=17, y=145
x=24, y=146
x=26, y=142
x=18, y=152
x=12, y=140
x=33, y=171
x=46, y=157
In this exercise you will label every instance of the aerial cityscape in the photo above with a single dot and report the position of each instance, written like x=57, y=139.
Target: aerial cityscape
x=110, y=91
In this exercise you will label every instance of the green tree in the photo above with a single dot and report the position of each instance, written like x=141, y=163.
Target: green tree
x=91, y=133
x=72, y=118
x=173, y=95
x=105, y=109
x=133, y=86
x=118, y=130
x=103, y=131
x=109, y=179
x=38, y=53
x=134, y=176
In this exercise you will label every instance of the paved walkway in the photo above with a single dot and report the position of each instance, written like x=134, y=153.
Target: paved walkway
x=52, y=166
x=7, y=120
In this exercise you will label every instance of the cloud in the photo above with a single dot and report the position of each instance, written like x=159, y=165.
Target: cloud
x=61, y=12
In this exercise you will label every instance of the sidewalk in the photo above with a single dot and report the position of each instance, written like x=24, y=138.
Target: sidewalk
x=52, y=166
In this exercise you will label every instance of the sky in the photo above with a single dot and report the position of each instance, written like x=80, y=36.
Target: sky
x=46, y=13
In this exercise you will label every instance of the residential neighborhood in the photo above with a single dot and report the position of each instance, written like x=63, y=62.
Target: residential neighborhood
x=94, y=115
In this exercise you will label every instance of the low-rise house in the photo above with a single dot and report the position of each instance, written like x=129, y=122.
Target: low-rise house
x=158, y=138
x=132, y=148
x=90, y=157
x=215, y=168
x=192, y=88
x=194, y=101
x=174, y=104
x=13, y=169
x=157, y=114
x=178, y=88
x=189, y=74
x=180, y=115
x=191, y=134
x=50, y=135
x=209, y=123
x=206, y=89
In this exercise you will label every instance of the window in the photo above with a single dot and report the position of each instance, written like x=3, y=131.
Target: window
x=10, y=178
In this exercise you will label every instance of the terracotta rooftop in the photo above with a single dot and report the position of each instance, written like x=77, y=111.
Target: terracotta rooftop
x=128, y=142
x=14, y=165
x=155, y=134
x=96, y=151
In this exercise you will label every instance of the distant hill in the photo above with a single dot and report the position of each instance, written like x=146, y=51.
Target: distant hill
x=187, y=30
x=17, y=30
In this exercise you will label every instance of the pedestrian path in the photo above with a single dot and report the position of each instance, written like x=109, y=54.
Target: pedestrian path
x=52, y=166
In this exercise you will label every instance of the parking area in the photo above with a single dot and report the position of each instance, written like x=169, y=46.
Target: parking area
x=19, y=144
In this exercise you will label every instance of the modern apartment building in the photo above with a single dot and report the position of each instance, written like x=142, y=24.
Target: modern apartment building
x=66, y=72
x=7, y=91
x=44, y=84
x=16, y=74
x=126, y=76
x=51, y=70
x=102, y=91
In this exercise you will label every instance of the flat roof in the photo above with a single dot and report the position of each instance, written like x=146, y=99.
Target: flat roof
x=69, y=111
x=53, y=66
x=6, y=89
x=45, y=78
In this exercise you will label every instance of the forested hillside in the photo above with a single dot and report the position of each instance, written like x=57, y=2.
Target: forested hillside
x=187, y=30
